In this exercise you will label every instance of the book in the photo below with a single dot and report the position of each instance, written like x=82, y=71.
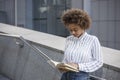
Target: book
x=63, y=66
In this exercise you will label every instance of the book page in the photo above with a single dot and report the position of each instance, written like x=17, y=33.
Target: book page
x=67, y=67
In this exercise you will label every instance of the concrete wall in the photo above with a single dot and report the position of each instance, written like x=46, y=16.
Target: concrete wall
x=23, y=63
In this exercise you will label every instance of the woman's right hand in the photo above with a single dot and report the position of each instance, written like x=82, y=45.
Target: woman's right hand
x=62, y=70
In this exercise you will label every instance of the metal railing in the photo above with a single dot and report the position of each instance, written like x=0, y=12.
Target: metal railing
x=37, y=50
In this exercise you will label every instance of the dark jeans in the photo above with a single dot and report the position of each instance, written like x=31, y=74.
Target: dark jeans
x=75, y=76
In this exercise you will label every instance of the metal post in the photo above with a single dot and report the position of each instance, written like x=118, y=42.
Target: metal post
x=15, y=12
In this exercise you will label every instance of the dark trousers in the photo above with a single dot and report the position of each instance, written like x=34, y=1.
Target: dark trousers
x=75, y=76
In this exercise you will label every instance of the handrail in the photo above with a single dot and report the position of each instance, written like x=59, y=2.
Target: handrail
x=48, y=59
x=92, y=77
x=9, y=35
x=35, y=49
x=31, y=46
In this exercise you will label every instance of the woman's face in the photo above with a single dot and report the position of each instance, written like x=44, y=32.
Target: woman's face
x=75, y=30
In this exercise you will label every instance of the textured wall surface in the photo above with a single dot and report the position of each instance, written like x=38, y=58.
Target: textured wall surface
x=19, y=62
x=24, y=63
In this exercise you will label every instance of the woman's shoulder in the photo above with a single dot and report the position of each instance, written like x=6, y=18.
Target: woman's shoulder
x=86, y=36
x=92, y=36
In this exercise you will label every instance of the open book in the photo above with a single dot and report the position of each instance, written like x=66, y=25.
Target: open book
x=63, y=66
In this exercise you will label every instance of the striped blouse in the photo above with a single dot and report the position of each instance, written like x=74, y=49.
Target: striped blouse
x=85, y=51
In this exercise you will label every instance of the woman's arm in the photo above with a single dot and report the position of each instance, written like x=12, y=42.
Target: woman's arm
x=97, y=60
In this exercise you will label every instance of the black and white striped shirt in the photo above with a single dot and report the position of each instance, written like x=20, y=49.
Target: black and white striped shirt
x=85, y=51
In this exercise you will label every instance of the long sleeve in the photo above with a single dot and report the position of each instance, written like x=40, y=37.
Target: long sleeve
x=96, y=61
x=84, y=51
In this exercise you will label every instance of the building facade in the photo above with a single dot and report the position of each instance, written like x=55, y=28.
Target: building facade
x=44, y=16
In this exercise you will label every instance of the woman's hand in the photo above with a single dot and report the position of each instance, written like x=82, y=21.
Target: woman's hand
x=63, y=69
x=74, y=65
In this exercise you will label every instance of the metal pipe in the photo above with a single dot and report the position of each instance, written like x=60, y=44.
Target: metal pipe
x=49, y=60
x=35, y=49
x=31, y=46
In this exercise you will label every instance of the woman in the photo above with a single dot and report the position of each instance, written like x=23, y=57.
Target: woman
x=82, y=50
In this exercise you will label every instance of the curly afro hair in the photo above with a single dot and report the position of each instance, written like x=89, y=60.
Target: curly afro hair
x=76, y=16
